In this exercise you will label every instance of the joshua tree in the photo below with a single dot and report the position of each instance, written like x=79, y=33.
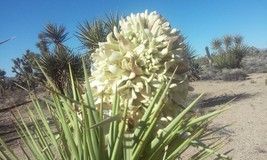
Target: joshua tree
x=216, y=44
x=55, y=57
x=231, y=51
x=43, y=44
x=238, y=40
x=25, y=71
x=227, y=41
x=55, y=35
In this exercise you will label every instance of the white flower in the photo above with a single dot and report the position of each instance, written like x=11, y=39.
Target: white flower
x=136, y=60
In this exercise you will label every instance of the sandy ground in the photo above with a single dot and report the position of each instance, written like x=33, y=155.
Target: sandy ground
x=247, y=117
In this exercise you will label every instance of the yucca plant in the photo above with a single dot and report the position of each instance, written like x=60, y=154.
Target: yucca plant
x=130, y=108
x=80, y=130
x=194, y=65
x=90, y=34
x=55, y=65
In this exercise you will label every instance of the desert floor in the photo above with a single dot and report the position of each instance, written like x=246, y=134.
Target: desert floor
x=244, y=124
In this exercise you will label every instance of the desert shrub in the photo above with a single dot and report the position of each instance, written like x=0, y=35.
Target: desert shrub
x=256, y=62
x=210, y=73
x=233, y=74
x=253, y=51
x=6, y=84
x=195, y=71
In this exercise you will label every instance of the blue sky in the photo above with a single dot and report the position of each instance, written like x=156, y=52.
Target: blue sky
x=201, y=21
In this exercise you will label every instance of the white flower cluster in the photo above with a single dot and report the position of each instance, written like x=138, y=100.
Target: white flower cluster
x=136, y=60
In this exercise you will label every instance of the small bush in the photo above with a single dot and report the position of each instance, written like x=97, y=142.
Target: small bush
x=233, y=74
x=255, y=63
x=210, y=73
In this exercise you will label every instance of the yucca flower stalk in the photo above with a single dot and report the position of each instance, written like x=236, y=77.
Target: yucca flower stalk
x=136, y=61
